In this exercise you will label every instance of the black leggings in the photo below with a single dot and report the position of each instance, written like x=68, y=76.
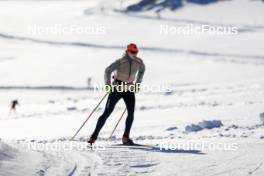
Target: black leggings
x=113, y=98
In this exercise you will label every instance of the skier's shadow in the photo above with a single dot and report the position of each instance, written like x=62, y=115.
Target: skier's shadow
x=167, y=150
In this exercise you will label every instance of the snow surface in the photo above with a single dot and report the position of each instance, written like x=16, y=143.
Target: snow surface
x=6, y=152
x=206, y=124
x=211, y=77
x=262, y=117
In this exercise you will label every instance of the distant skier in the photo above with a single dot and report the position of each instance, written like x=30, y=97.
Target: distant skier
x=13, y=105
x=125, y=69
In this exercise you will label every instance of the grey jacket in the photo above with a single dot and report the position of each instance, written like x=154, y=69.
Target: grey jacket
x=126, y=69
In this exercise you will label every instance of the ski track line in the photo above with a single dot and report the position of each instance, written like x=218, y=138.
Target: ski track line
x=123, y=161
x=102, y=162
x=257, y=168
x=90, y=45
x=68, y=163
x=73, y=171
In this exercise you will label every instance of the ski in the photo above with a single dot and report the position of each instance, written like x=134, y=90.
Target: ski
x=135, y=145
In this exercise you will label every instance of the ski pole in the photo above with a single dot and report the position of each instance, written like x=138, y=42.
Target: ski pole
x=89, y=116
x=117, y=124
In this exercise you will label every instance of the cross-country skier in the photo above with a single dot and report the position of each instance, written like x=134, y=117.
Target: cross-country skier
x=126, y=69
x=13, y=105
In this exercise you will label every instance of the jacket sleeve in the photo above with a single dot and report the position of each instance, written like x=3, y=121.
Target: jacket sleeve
x=141, y=73
x=109, y=70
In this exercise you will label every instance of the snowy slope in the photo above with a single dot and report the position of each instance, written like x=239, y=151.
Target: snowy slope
x=211, y=77
x=18, y=162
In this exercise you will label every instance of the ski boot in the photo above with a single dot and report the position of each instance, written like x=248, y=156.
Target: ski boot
x=127, y=141
x=92, y=140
